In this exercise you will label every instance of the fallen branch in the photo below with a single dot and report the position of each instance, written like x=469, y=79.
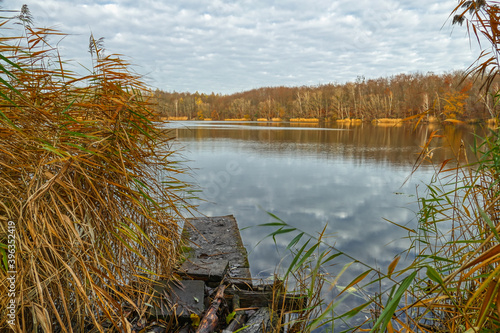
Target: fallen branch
x=210, y=320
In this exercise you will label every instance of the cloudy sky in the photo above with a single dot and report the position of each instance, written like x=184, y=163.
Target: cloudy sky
x=228, y=46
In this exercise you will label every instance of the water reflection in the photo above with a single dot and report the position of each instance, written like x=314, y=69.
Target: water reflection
x=391, y=144
x=347, y=179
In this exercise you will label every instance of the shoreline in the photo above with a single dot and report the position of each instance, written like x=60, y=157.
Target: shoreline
x=347, y=121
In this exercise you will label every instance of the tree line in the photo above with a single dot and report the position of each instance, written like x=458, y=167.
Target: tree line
x=444, y=96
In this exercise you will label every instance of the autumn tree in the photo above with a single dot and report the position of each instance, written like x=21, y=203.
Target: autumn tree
x=455, y=102
x=397, y=96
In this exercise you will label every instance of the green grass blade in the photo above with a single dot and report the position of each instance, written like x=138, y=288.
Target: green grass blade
x=351, y=313
x=275, y=217
x=295, y=241
x=487, y=219
x=13, y=64
x=386, y=315
x=296, y=258
x=272, y=224
x=434, y=275
x=306, y=256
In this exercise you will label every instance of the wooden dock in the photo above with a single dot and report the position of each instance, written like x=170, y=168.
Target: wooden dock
x=215, y=251
x=216, y=273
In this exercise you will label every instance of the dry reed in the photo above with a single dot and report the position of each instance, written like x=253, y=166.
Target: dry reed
x=305, y=120
x=177, y=118
x=90, y=183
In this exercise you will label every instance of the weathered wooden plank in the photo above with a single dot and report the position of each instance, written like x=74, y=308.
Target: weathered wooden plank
x=206, y=269
x=180, y=298
x=259, y=322
x=215, y=248
x=258, y=299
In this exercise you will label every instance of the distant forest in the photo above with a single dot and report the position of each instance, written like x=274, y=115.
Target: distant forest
x=445, y=96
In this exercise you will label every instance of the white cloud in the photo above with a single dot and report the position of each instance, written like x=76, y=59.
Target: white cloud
x=229, y=46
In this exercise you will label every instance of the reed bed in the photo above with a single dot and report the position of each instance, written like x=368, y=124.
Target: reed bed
x=388, y=124
x=272, y=119
x=90, y=184
x=347, y=120
x=177, y=118
x=387, y=121
x=237, y=119
x=305, y=120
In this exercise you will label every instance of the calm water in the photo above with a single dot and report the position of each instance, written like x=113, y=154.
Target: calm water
x=349, y=179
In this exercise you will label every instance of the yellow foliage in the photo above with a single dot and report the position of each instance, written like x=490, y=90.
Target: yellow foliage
x=195, y=319
x=455, y=102
x=305, y=120
x=347, y=120
x=387, y=120
x=177, y=118
x=200, y=115
x=214, y=115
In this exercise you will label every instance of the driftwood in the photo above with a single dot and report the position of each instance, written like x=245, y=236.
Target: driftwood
x=259, y=322
x=210, y=320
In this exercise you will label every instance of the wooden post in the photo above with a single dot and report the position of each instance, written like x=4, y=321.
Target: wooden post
x=239, y=319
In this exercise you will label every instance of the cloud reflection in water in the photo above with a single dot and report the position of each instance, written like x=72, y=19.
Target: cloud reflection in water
x=308, y=179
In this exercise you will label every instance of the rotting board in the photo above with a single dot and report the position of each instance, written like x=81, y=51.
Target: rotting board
x=214, y=250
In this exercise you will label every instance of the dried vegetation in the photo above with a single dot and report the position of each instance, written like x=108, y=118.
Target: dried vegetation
x=90, y=182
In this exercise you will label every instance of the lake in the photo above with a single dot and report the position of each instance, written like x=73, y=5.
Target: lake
x=350, y=180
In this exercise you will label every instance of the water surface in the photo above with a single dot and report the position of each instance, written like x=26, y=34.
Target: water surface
x=349, y=180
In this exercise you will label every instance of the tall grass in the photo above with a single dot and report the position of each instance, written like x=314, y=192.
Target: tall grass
x=90, y=182
x=452, y=284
